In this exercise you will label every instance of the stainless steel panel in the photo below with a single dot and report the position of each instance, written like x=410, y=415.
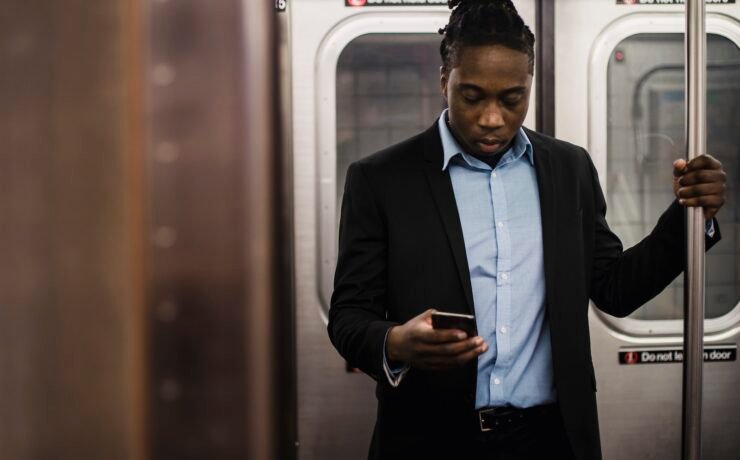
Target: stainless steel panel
x=639, y=406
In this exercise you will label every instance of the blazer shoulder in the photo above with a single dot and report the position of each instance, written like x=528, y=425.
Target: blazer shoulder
x=552, y=143
x=562, y=150
x=393, y=157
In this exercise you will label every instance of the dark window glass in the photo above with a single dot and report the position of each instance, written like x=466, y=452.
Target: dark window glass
x=387, y=90
x=646, y=133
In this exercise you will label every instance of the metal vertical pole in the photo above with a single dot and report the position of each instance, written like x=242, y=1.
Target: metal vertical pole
x=545, y=66
x=696, y=141
x=266, y=326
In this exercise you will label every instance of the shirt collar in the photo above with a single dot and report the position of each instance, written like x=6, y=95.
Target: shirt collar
x=451, y=148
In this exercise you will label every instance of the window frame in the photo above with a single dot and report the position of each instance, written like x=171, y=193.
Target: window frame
x=628, y=329
x=342, y=35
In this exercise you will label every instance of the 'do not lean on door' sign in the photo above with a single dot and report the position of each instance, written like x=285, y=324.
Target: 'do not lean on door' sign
x=718, y=353
x=357, y=3
x=670, y=2
x=361, y=3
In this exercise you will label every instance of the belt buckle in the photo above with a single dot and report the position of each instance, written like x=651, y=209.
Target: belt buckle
x=480, y=418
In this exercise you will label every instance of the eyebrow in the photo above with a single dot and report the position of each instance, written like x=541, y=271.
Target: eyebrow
x=470, y=86
x=464, y=86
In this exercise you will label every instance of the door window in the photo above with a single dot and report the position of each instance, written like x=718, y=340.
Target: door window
x=645, y=104
x=387, y=90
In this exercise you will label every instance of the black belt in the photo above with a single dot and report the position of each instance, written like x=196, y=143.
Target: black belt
x=493, y=419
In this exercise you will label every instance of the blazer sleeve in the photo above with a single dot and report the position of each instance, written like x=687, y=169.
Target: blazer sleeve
x=622, y=281
x=357, y=317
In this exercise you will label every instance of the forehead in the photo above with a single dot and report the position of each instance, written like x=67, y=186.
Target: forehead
x=491, y=65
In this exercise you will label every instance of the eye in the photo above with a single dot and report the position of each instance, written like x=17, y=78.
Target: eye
x=471, y=98
x=512, y=101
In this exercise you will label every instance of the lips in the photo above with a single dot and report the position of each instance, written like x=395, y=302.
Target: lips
x=489, y=145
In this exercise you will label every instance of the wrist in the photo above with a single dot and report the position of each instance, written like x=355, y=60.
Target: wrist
x=391, y=344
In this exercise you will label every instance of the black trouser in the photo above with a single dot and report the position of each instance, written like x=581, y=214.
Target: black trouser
x=540, y=435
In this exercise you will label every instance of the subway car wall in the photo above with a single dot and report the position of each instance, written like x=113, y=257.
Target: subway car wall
x=172, y=173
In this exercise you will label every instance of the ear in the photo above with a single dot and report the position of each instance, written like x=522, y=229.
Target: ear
x=444, y=79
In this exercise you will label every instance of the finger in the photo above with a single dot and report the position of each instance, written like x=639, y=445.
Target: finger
x=703, y=162
x=450, y=349
x=435, y=336
x=472, y=354
x=456, y=360
x=679, y=167
x=426, y=316
x=422, y=320
x=703, y=176
x=699, y=190
x=706, y=202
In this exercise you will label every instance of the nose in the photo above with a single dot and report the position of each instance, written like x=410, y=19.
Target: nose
x=491, y=118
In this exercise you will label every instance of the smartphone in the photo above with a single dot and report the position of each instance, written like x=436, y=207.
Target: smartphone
x=444, y=320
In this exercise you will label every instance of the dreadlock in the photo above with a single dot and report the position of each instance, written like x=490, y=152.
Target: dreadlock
x=484, y=22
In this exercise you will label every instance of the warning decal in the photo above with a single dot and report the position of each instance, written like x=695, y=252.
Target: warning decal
x=719, y=353
x=670, y=2
x=394, y=2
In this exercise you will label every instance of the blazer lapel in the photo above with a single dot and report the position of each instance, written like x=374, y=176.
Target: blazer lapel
x=546, y=184
x=444, y=198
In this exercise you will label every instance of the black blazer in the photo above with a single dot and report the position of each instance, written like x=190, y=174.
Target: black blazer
x=401, y=251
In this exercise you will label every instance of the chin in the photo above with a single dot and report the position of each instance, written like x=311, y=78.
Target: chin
x=480, y=152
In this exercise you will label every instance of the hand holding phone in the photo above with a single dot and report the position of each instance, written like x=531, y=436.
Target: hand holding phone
x=426, y=342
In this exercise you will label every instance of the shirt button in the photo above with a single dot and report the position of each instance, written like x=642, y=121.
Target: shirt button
x=497, y=381
x=500, y=224
x=504, y=276
x=503, y=329
x=494, y=174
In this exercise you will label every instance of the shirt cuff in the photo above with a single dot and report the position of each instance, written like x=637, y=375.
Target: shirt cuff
x=709, y=227
x=394, y=376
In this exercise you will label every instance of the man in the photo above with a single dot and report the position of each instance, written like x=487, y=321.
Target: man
x=478, y=215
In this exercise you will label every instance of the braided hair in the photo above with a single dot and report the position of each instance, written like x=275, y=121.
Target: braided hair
x=484, y=22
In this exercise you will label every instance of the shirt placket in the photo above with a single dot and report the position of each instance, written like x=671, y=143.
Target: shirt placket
x=498, y=385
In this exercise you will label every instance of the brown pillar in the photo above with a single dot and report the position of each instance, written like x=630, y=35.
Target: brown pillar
x=71, y=366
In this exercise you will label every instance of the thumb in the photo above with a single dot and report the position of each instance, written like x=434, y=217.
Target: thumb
x=426, y=317
x=679, y=167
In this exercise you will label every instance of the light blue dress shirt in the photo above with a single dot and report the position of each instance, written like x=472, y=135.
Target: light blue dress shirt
x=500, y=215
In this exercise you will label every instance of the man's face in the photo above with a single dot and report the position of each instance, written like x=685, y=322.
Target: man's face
x=487, y=93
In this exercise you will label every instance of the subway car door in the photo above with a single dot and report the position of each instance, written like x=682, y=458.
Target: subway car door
x=619, y=91
x=363, y=77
